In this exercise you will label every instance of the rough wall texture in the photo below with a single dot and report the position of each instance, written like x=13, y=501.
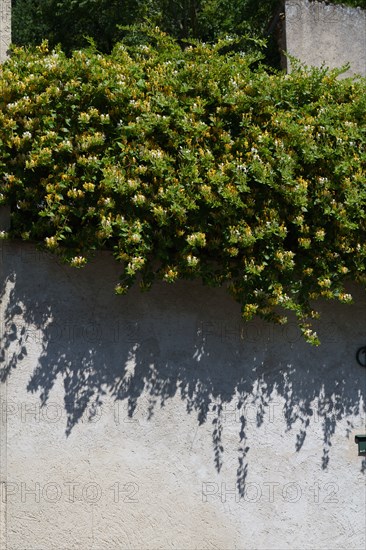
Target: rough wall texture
x=5, y=28
x=159, y=420
x=318, y=33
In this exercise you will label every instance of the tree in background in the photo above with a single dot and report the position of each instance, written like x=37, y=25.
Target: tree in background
x=71, y=21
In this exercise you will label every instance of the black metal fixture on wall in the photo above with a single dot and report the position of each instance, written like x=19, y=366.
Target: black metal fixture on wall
x=361, y=439
x=361, y=442
x=361, y=356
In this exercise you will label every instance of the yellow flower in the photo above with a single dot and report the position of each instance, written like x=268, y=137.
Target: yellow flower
x=324, y=282
x=135, y=238
x=346, y=298
x=319, y=235
x=139, y=199
x=89, y=186
x=197, y=239
x=192, y=261
x=249, y=310
x=120, y=289
x=84, y=118
x=51, y=242
x=75, y=193
x=78, y=261
x=305, y=243
x=170, y=275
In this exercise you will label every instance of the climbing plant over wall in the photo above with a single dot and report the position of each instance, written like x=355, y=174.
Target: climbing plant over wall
x=190, y=164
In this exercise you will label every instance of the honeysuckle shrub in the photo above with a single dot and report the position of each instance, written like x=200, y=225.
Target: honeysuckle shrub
x=189, y=164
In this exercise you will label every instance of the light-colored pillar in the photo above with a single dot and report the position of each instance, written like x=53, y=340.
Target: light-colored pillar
x=5, y=28
x=324, y=33
x=5, y=39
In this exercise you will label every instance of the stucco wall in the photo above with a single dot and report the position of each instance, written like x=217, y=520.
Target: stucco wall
x=318, y=33
x=5, y=28
x=159, y=420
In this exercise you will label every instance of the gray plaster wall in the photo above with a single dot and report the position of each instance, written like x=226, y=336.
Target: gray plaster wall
x=5, y=28
x=159, y=420
x=322, y=33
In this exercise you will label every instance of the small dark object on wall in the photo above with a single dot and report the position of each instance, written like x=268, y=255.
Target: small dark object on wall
x=360, y=352
x=361, y=442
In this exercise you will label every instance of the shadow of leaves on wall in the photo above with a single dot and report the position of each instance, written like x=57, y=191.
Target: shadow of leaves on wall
x=181, y=340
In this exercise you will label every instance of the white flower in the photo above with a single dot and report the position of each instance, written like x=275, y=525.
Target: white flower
x=156, y=153
x=192, y=260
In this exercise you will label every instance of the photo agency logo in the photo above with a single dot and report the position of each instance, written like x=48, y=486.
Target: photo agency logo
x=81, y=331
x=53, y=492
x=271, y=492
x=120, y=412
x=26, y=253
x=241, y=332
x=237, y=411
x=52, y=412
